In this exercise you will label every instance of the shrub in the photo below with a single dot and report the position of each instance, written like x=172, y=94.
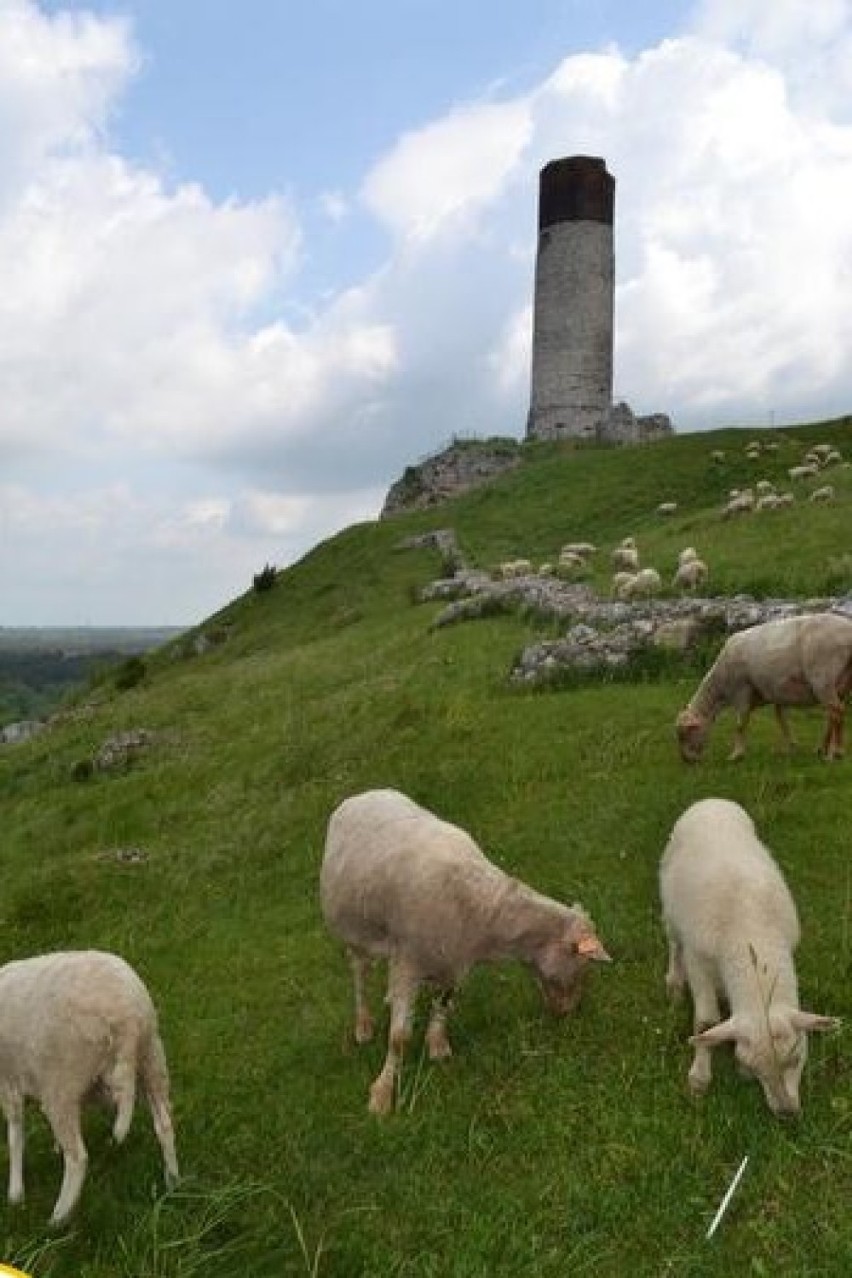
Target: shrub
x=265, y=579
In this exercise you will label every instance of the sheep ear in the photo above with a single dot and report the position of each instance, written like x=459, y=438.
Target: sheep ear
x=724, y=1032
x=809, y=1021
x=590, y=947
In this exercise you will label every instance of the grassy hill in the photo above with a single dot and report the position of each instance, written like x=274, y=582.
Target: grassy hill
x=543, y=1148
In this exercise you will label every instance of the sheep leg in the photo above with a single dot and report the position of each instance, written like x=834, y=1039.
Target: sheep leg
x=364, y=1024
x=122, y=1089
x=676, y=974
x=705, y=1013
x=784, y=726
x=436, y=1031
x=155, y=1080
x=64, y=1118
x=832, y=742
x=739, y=748
x=402, y=992
x=15, y=1134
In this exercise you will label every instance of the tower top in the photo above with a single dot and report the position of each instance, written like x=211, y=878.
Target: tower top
x=575, y=189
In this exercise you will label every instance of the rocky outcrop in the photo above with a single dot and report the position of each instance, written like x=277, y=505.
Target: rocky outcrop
x=463, y=465
x=603, y=634
x=621, y=426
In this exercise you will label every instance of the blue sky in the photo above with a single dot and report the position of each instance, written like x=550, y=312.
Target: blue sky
x=260, y=256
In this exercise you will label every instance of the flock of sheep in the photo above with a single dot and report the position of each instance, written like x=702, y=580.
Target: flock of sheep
x=399, y=884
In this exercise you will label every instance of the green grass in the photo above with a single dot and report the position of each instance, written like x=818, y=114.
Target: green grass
x=543, y=1148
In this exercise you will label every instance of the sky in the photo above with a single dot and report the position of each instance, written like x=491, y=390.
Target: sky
x=257, y=257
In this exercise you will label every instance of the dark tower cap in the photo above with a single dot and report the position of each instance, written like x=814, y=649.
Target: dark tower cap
x=576, y=189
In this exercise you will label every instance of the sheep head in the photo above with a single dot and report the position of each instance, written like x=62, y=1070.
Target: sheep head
x=774, y=1053
x=692, y=732
x=562, y=963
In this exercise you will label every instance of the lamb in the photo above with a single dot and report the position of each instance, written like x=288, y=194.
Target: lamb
x=667, y=508
x=400, y=884
x=642, y=585
x=805, y=471
x=585, y=549
x=688, y=553
x=72, y=1025
x=732, y=928
x=690, y=574
x=825, y=493
x=795, y=661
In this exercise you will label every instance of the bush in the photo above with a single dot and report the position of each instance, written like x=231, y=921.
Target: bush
x=130, y=673
x=265, y=579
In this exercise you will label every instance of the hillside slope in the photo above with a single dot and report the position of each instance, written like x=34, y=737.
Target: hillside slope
x=543, y=1147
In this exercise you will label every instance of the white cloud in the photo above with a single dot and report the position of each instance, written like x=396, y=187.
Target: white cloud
x=164, y=421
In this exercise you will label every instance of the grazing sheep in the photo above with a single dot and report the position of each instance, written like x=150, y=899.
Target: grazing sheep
x=667, y=508
x=515, y=568
x=584, y=549
x=74, y=1024
x=764, y=487
x=784, y=499
x=625, y=559
x=645, y=583
x=691, y=574
x=796, y=661
x=833, y=457
x=619, y=581
x=826, y=493
x=717, y=455
x=400, y=884
x=805, y=471
x=740, y=504
x=770, y=501
x=732, y=928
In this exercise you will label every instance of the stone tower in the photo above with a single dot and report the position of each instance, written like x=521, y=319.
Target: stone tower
x=573, y=309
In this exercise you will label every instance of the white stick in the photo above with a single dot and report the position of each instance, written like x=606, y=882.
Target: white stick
x=723, y=1205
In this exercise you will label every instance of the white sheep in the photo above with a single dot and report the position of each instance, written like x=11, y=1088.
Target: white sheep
x=515, y=568
x=400, y=884
x=795, y=661
x=619, y=581
x=732, y=928
x=625, y=559
x=717, y=455
x=764, y=487
x=667, y=508
x=72, y=1024
x=741, y=504
x=642, y=585
x=825, y=493
x=585, y=549
x=805, y=471
x=688, y=553
x=769, y=501
x=691, y=574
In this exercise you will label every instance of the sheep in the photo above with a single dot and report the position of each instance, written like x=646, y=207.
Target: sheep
x=619, y=582
x=784, y=499
x=645, y=583
x=584, y=549
x=73, y=1024
x=825, y=493
x=764, y=487
x=717, y=455
x=667, y=508
x=805, y=471
x=625, y=558
x=688, y=553
x=691, y=574
x=398, y=883
x=794, y=661
x=515, y=568
x=732, y=927
x=741, y=504
x=833, y=457
x=770, y=501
